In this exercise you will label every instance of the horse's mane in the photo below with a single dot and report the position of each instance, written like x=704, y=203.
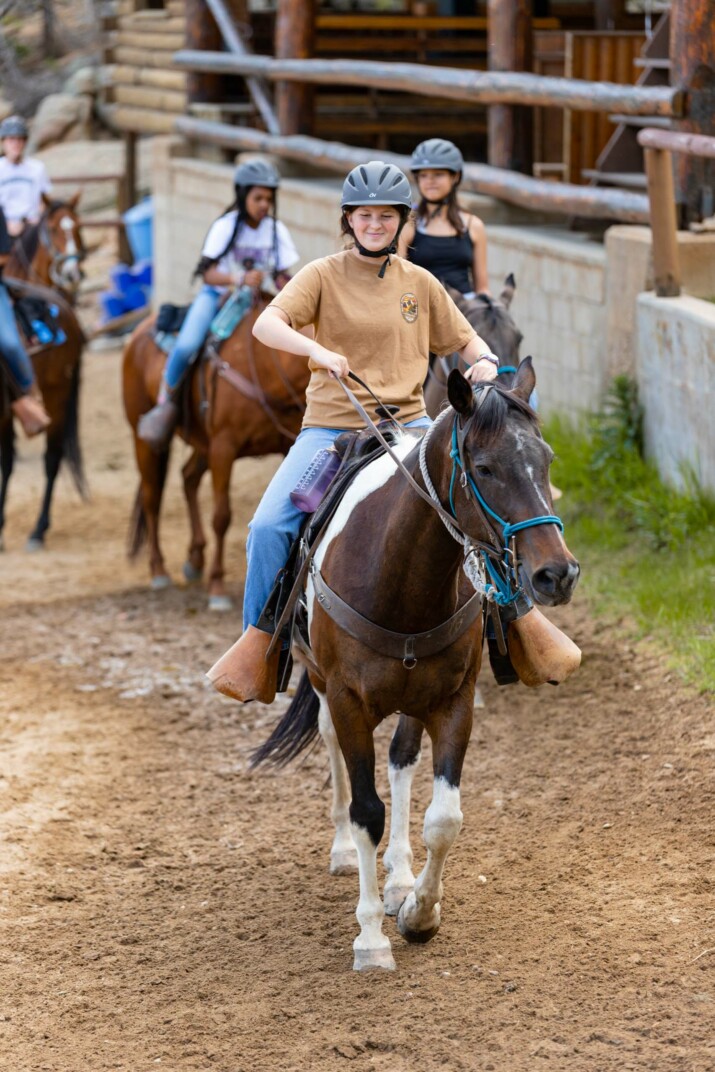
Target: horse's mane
x=29, y=240
x=482, y=310
x=491, y=416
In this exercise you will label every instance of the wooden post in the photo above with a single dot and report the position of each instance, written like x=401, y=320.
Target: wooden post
x=202, y=33
x=663, y=222
x=127, y=192
x=692, y=58
x=509, y=43
x=295, y=21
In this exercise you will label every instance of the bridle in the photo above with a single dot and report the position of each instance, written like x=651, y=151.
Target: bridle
x=72, y=256
x=492, y=566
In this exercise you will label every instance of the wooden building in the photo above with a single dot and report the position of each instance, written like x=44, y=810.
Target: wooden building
x=146, y=92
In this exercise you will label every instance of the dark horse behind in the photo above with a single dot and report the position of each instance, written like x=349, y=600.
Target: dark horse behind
x=492, y=320
x=44, y=265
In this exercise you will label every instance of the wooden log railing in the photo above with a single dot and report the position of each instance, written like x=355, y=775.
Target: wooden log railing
x=522, y=190
x=487, y=87
x=659, y=146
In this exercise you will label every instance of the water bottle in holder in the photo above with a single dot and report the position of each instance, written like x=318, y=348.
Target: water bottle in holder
x=310, y=490
x=234, y=308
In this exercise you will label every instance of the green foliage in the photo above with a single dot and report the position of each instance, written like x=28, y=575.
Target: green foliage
x=647, y=550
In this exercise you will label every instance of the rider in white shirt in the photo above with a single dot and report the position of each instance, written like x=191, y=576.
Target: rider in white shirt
x=23, y=180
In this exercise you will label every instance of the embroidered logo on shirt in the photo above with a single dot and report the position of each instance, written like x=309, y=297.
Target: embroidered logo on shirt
x=408, y=307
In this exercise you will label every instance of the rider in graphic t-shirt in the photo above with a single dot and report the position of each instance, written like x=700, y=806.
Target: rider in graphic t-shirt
x=245, y=246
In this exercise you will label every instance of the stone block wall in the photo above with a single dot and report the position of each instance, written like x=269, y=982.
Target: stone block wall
x=676, y=376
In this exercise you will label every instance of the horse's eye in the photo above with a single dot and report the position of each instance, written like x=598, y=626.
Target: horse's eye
x=483, y=470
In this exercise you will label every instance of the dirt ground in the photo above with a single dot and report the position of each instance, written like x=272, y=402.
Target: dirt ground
x=162, y=906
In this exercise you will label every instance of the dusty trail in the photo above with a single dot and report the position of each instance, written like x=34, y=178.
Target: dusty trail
x=161, y=907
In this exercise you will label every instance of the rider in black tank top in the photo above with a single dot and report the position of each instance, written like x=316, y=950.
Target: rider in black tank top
x=446, y=241
x=448, y=257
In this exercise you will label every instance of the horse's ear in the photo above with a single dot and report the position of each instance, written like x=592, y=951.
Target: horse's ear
x=46, y=201
x=508, y=292
x=525, y=380
x=74, y=201
x=459, y=392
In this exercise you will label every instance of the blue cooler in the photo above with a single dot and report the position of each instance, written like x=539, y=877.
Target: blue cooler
x=138, y=225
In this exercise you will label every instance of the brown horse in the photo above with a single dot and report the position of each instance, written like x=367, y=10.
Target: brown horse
x=492, y=321
x=247, y=403
x=51, y=252
x=390, y=630
x=44, y=264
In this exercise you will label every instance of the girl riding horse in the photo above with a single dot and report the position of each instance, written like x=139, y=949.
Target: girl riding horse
x=444, y=239
x=247, y=246
x=387, y=314
x=27, y=406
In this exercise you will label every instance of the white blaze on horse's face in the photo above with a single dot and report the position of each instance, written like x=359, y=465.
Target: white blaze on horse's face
x=70, y=272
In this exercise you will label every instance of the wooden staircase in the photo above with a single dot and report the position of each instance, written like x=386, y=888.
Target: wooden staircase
x=620, y=163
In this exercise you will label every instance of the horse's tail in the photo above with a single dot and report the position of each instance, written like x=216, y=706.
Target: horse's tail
x=137, y=524
x=71, y=449
x=296, y=730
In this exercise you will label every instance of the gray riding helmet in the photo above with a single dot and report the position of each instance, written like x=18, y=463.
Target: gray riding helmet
x=256, y=173
x=376, y=183
x=14, y=126
x=437, y=153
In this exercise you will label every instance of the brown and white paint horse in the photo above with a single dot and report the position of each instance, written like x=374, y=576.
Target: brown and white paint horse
x=389, y=555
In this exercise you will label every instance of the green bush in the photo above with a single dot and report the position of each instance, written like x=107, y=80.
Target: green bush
x=648, y=550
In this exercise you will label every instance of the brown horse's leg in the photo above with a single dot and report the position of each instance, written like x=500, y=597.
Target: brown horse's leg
x=7, y=458
x=152, y=469
x=449, y=727
x=221, y=458
x=193, y=471
x=53, y=459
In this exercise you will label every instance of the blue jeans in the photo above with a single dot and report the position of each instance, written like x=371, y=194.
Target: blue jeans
x=277, y=521
x=193, y=332
x=11, y=348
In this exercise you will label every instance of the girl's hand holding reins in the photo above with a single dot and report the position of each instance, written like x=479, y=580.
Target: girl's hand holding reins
x=336, y=364
x=253, y=278
x=481, y=370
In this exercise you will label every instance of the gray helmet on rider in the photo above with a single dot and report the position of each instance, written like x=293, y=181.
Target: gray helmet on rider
x=14, y=126
x=376, y=183
x=256, y=173
x=439, y=154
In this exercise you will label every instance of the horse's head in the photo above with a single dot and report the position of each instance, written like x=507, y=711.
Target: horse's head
x=59, y=235
x=491, y=319
x=506, y=495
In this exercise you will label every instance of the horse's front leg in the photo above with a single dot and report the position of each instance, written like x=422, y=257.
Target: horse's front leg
x=7, y=459
x=404, y=759
x=367, y=815
x=222, y=453
x=192, y=473
x=449, y=728
x=343, y=857
x=53, y=459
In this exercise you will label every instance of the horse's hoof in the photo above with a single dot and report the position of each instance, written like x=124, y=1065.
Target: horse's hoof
x=407, y=920
x=220, y=603
x=344, y=863
x=378, y=959
x=191, y=573
x=160, y=582
x=394, y=899
x=35, y=543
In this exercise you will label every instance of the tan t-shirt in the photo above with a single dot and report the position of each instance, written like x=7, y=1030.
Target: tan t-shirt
x=384, y=327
